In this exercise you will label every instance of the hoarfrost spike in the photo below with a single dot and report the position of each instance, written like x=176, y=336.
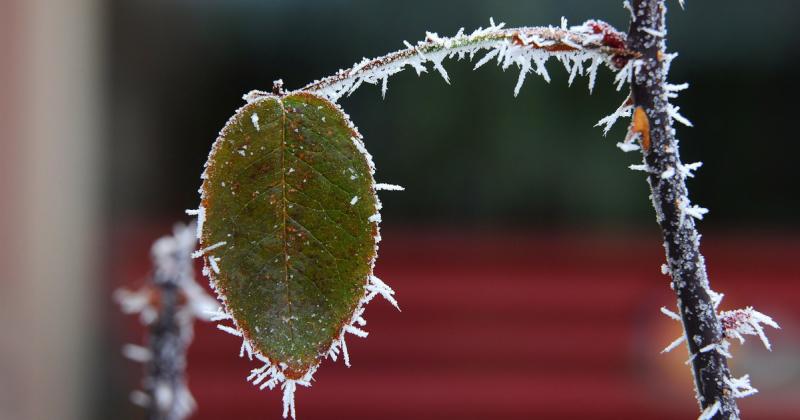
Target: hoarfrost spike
x=528, y=48
x=712, y=409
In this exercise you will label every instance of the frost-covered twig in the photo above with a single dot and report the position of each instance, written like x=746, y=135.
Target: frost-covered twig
x=528, y=48
x=167, y=306
x=652, y=126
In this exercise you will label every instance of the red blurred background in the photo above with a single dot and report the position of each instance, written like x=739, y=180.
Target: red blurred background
x=515, y=324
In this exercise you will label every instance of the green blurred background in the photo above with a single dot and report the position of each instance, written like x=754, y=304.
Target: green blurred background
x=470, y=153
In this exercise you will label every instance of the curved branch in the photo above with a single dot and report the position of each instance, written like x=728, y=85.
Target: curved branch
x=595, y=40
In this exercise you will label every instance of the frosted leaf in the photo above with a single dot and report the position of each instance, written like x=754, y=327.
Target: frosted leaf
x=344, y=183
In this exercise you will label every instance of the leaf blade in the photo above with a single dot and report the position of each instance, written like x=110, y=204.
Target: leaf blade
x=291, y=194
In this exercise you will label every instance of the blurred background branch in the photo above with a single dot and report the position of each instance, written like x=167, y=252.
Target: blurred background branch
x=167, y=305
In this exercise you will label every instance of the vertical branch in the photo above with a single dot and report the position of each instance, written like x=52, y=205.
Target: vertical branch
x=666, y=176
x=168, y=306
x=165, y=382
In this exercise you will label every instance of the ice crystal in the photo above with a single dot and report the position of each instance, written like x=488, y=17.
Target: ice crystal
x=527, y=48
x=388, y=187
x=712, y=409
x=735, y=324
x=740, y=387
x=741, y=322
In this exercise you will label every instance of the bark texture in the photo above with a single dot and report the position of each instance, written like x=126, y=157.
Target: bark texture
x=670, y=198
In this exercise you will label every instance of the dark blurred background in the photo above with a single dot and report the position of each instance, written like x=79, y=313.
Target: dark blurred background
x=524, y=253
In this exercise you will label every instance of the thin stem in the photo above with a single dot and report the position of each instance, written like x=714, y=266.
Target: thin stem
x=594, y=36
x=168, y=344
x=653, y=122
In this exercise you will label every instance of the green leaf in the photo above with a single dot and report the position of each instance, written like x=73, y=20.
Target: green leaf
x=289, y=235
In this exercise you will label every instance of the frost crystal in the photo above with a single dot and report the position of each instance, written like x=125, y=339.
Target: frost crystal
x=711, y=410
x=688, y=170
x=740, y=387
x=674, y=114
x=527, y=48
x=136, y=353
x=624, y=110
x=741, y=322
x=687, y=209
x=199, y=253
x=388, y=187
x=628, y=147
x=735, y=324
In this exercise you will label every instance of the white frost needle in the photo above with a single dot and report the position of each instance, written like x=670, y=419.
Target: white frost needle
x=522, y=47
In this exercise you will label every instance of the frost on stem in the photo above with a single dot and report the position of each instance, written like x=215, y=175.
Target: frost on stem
x=706, y=330
x=581, y=49
x=168, y=306
x=735, y=324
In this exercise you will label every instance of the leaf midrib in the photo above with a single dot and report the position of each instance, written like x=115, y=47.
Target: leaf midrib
x=284, y=211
